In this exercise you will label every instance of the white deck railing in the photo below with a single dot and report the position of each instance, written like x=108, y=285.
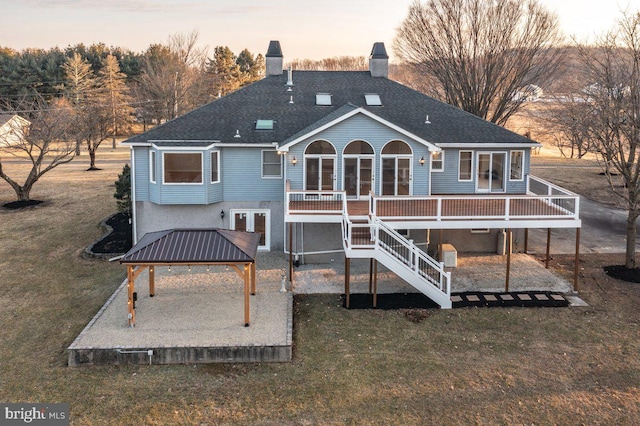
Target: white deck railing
x=543, y=200
x=376, y=237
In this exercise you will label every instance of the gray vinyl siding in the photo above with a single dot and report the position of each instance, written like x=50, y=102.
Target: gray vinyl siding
x=446, y=182
x=360, y=127
x=141, y=173
x=241, y=176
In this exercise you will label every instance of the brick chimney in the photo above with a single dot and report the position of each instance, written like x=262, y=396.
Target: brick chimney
x=274, y=59
x=379, y=61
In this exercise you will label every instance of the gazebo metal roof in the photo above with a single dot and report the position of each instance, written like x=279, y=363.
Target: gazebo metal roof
x=236, y=249
x=192, y=246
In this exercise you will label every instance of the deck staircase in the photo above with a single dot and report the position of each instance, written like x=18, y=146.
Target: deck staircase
x=373, y=239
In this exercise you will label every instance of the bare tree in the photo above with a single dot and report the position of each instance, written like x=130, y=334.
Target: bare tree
x=43, y=142
x=566, y=122
x=481, y=53
x=173, y=76
x=614, y=118
x=337, y=63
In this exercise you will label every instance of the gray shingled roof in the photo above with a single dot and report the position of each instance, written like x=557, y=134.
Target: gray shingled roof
x=268, y=99
x=185, y=246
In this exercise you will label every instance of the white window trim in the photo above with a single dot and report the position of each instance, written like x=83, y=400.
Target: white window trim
x=279, y=176
x=321, y=157
x=441, y=169
x=521, y=165
x=266, y=212
x=217, y=153
x=396, y=157
x=471, y=174
x=183, y=183
x=153, y=165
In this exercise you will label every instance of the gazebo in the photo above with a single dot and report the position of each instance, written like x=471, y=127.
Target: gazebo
x=193, y=247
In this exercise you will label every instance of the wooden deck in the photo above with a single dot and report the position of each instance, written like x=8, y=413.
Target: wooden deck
x=544, y=204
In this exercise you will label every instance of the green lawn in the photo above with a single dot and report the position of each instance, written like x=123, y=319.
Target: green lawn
x=466, y=366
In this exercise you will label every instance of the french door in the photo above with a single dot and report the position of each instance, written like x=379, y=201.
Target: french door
x=358, y=176
x=253, y=221
x=320, y=173
x=396, y=175
x=491, y=171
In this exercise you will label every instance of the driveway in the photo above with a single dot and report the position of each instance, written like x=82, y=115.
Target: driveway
x=604, y=230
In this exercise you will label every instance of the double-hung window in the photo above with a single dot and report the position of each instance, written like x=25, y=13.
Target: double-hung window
x=215, y=167
x=271, y=164
x=517, y=163
x=437, y=161
x=152, y=166
x=465, y=166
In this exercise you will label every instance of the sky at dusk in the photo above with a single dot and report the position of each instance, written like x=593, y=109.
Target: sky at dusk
x=306, y=29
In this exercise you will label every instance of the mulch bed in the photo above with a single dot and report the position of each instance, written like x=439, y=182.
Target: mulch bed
x=620, y=272
x=532, y=299
x=119, y=240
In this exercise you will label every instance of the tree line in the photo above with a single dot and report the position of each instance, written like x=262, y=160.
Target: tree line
x=162, y=82
x=81, y=96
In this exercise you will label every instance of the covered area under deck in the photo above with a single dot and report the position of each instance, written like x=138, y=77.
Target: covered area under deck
x=192, y=247
x=545, y=206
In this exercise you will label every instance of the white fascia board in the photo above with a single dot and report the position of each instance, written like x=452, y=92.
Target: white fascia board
x=134, y=144
x=432, y=147
x=513, y=145
x=182, y=148
x=273, y=145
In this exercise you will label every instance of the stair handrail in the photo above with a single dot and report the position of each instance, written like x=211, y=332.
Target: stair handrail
x=414, y=259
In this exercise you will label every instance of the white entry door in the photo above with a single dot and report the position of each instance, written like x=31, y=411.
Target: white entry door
x=253, y=221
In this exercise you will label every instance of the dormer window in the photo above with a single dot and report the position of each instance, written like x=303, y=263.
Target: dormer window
x=323, y=99
x=264, y=124
x=372, y=99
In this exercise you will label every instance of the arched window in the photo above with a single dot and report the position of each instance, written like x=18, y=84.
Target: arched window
x=396, y=168
x=319, y=148
x=320, y=164
x=397, y=148
x=358, y=160
x=358, y=147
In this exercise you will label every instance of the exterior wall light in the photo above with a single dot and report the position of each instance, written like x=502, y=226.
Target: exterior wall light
x=422, y=161
x=294, y=161
x=222, y=214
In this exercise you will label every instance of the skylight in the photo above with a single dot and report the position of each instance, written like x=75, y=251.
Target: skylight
x=373, y=99
x=323, y=99
x=264, y=125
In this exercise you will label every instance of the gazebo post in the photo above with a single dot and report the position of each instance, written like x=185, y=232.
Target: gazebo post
x=130, y=286
x=253, y=278
x=152, y=280
x=247, y=286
